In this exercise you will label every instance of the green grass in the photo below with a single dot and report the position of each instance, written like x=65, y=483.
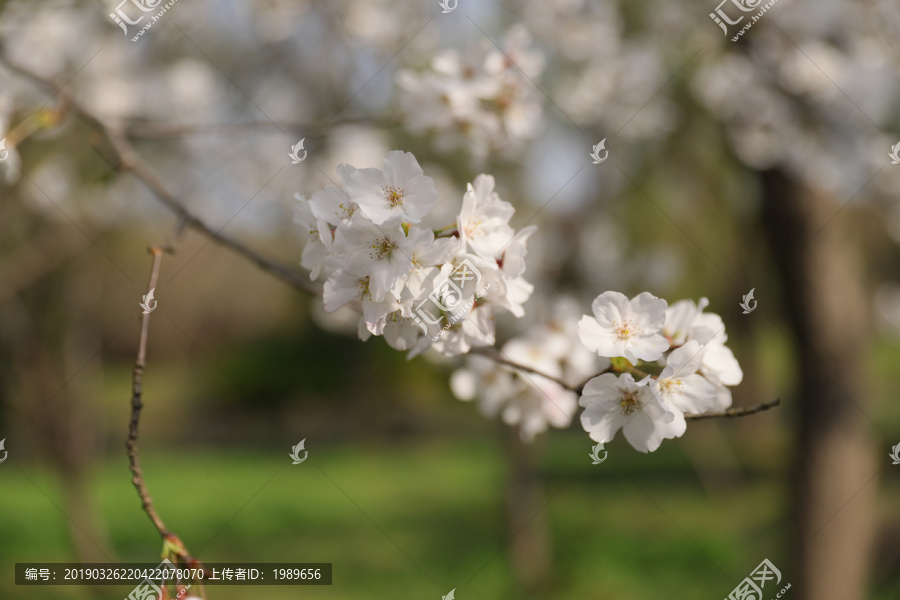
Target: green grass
x=414, y=520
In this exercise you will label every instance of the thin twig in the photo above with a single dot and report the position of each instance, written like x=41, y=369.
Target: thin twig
x=737, y=411
x=128, y=159
x=137, y=377
x=172, y=544
x=164, y=131
x=493, y=354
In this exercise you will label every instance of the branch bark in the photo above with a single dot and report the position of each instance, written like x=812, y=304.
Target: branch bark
x=137, y=475
x=492, y=354
x=128, y=159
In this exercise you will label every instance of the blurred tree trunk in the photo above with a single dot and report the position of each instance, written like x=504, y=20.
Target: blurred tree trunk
x=529, y=533
x=821, y=273
x=55, y=369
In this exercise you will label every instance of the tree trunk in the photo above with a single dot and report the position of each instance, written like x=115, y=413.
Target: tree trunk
x=529, y=547
x=821, y=273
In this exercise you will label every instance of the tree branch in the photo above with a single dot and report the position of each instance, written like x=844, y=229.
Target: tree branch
x=737, y=411
x=128, y=159
x=143, y=130
x=494, y=355
x=137, y=475
x=173, y=547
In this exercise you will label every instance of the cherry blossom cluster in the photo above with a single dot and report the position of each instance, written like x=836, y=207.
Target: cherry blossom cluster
x=482, y=100
x=538, y=377
x=688, y=345
x=418, y=287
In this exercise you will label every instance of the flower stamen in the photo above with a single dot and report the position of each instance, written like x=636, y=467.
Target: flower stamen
x=629, y=403
x=624, y=330
x=671, y=386
x=382, y=248
x=393, y=195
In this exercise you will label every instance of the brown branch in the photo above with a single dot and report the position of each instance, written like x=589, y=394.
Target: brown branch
x=172, y=545
x=164, y=131
x=737, y=411
x=137, y=376
x=494, y=355
x=128, y=159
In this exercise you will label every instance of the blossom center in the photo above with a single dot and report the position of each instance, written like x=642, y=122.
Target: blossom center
x=625, y=330
x=473, y=228
x=347, y=210
x=671, y=386
x=393, y=195
x=629, y=403
x=382, y=249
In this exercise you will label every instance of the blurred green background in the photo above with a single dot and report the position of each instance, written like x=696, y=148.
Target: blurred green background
x=406, y=489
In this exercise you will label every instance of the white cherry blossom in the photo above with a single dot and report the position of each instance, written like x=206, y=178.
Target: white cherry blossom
x=333, y=204
x=483, y=222
x=317, y=237
x=484, y=100
x=426, y=255
x=381, y=252
x=615, y=402
x=343, y=287
x=469, y=328
x=680, y=386
x=400, y=190
x=686, y=321
x=511, y=260
x=524, y=399
x=623, y=327
x=487, y=382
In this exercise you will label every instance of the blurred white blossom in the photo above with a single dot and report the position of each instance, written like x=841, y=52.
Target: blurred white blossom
x=483, y=100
